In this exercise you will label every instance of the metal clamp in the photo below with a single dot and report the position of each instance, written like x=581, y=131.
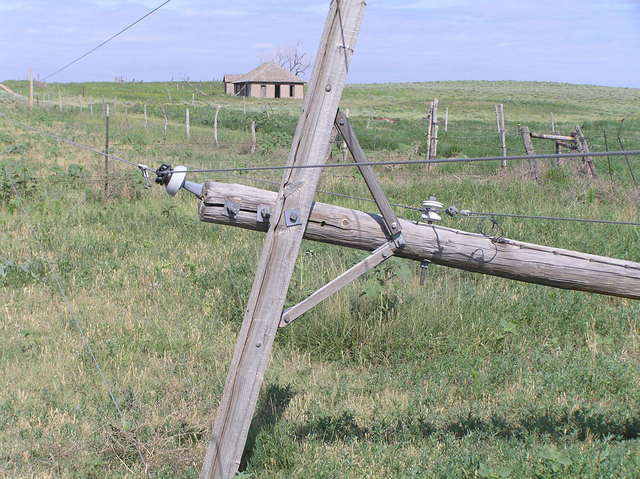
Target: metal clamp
x=263, y=213
x=231, y=208
x=145, y=174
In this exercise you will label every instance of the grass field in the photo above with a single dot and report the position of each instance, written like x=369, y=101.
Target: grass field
x=469, y=376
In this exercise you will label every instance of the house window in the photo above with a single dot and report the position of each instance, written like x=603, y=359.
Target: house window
x=292, y=91
x=263, y=91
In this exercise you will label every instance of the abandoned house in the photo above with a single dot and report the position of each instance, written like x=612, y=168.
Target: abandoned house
x=266, y=81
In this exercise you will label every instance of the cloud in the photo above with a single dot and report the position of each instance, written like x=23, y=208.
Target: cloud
x=14, y=6
x=264, y=46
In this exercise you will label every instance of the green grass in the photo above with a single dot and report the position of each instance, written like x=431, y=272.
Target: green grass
x=469, y=376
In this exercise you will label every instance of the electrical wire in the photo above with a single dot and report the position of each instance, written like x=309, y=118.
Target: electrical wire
x=84, y=55
x=80, y=146
x=483, y=214
x=474, y=214
x=549, y=156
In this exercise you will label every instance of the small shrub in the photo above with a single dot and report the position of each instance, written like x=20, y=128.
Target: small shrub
x=20, y=274
x=15, y=180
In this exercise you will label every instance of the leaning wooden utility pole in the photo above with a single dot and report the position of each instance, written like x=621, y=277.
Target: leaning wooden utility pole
x=288, y=221
x=496, y=256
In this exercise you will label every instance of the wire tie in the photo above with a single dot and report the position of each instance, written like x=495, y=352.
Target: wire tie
x=145, y=174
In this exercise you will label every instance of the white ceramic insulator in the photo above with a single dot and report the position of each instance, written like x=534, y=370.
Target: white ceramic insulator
x=178, y=176
x=436, y=205
x=431, y=216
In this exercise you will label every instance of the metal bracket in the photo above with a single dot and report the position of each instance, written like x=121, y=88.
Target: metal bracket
x=293, y=217
x=392, y=227
x=391, y=223
x=381, y=254
x=263, y=213
x=231, y=208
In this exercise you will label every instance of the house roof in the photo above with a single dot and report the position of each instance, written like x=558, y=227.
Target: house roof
x=268, y=73
x=231, y=78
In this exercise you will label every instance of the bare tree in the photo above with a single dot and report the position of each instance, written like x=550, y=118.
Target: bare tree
x=292, y=59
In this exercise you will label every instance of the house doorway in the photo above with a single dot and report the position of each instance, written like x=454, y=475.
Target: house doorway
x=277, y=91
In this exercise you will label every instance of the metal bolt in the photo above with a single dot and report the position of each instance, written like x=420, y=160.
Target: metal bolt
x=328, y=88
x=394, y=225
x=341, y=122
x=293, y=216
x=258, y=345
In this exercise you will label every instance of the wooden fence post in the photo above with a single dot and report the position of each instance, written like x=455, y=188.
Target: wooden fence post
x=433, y=149
x=126, y=117
x=528, y=147
x=146, y=118
x=187, y=124
x=166, y=123
x=446, y=120
x=215, y=125
x=282, y=244
x=59, y=99
x=254, y=140
x=344, y=147
x=553, y=124
x=583, y=147
x=30, y=89
x=106, y=153
x=429, y=113
x=501, y=132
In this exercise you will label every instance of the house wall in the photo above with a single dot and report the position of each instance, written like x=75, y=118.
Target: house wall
x=255, y=90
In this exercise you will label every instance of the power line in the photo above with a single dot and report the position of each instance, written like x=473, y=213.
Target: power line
x=105, y=42
x=549, y=156
x=80, y=146
x=482, y=214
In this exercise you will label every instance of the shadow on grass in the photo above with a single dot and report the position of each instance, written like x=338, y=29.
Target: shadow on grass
x=582, y=424
x=272, y=405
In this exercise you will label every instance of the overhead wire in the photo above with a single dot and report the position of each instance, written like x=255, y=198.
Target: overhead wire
x=546, y=156
x=84, y=55
x=483, y=214
x=470, y=214
x=77, y=145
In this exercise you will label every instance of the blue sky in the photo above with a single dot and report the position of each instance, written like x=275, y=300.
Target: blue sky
x=575, y=41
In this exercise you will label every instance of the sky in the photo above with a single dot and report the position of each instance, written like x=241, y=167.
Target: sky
x=572, y=41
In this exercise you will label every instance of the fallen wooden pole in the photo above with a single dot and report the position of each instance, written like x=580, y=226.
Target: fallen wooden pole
x=502, y=257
